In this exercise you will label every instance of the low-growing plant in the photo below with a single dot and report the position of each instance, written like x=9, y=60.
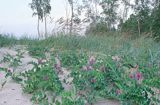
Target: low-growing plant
x=40, y=79
x=14, y=61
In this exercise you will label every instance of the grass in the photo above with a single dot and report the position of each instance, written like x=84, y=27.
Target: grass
x=142, y=50
x=73, y=53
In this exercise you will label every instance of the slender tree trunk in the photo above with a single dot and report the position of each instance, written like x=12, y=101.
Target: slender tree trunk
x=67, y=18
x=96, y=14
x=72, y=15
x=45, y=21
x=139, y=30
x=151, y=33
x=38, y=28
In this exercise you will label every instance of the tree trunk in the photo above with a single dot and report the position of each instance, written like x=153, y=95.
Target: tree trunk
x=72, y=15
x=139, y=30
x=67, y=18
x=38, y=28
x=45, y=21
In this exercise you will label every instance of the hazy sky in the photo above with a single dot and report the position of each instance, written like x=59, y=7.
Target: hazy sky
x=16, y=16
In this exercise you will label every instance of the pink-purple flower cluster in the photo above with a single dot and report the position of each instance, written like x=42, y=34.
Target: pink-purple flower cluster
x=9, y=70
x=57, y=65
x=118, y=91
x=1, y=66
x=91, y=60
x=135, y=75
x=90, y=63
x=1, y=75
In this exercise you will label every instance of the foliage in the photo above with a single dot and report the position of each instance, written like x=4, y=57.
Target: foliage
x=99, y=28
x=39, y=80
x=71, y=98
x=6, y=40
x=41, y=8
x=156, y=23
x=99, y=66
x=131, y=25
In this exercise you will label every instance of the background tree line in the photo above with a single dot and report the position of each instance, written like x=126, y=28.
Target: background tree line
x=132, y=17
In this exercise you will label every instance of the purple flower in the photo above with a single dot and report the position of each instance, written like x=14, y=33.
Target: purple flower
x=138, y=76
x=1, y=66
x=118, y=91
x=89, y=67
x=1, y=75
x=39, y=61
x=93, y=80
x=86, y=68
x=10, y=70
x=56, y=66
x=131, y=76
x=135, y=75
x=91, y=60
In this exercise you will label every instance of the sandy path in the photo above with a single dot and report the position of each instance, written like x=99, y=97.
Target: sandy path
x=11, y=93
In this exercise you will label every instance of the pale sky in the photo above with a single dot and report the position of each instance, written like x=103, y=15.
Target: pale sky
x=16, y=16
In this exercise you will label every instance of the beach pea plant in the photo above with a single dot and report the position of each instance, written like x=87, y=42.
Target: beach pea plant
x=40, y=79
x=71, y=98
x=72, y=58
x=111, y=77
x=14, y=61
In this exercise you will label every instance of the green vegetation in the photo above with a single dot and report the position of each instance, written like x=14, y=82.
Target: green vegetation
x=108, y=67
x=117, y=58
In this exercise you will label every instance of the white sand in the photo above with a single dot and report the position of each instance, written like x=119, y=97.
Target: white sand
x=11, y=93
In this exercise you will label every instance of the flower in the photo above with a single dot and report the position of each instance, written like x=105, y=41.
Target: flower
x=1, y=66
x=91, y=60
x=131, y=76
x=10, y=70
x=138, y=76
x=87, y=67
x=135, y=75
x=93, y=80
x=39, y=61
x=118, y=91
x=1, y=75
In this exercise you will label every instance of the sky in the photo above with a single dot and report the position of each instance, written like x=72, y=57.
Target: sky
x=16, y=17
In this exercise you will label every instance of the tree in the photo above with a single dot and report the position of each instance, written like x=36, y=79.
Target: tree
x=109, y=10
x=41, y=8
x=36, y=7
x=46, y=10
x=156, y=20
x=72, y=15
